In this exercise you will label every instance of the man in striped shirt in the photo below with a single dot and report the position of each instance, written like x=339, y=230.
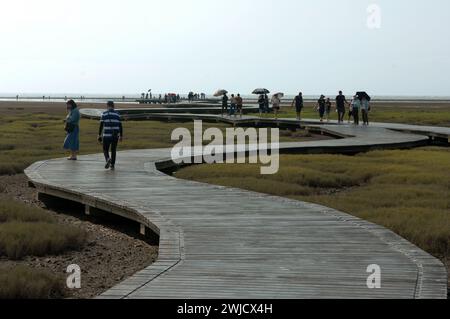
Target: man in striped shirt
x=110, y=133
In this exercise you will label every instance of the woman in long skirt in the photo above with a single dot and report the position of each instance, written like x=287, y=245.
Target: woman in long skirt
x=72, y=140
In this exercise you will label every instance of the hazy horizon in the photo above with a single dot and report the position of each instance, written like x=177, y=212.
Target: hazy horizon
x=323, y=46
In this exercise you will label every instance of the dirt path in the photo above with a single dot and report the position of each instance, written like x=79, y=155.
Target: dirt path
x=109, y=257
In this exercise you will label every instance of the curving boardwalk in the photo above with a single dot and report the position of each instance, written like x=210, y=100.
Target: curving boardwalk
x=218, y=242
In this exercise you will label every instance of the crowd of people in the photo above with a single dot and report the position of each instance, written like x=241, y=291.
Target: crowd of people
x=236, y=105
x=358, y=106
x=111, y=132
x=196, y=96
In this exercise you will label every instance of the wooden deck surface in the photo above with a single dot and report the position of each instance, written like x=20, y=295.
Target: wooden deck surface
x=218, y=242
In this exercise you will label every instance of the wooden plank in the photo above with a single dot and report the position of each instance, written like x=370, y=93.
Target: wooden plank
x=219, y=242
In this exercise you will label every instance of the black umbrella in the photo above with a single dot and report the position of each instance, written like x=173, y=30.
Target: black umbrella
x=362, y=95
x=220, y=93
x=261, y=91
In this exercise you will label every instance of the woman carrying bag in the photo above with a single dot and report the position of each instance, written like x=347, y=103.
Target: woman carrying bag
x=72, y=121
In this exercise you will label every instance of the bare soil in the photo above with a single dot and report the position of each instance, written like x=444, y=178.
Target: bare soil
x=109, y=257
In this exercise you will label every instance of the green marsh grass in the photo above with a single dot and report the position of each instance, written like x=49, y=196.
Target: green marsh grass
x=29, y=137
x=393, y=113
x=406, y=191
x=30, y=231
x=23, y=282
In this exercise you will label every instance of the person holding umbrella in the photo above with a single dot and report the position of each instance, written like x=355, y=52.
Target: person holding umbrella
x=364, y=99
x=298, y=103
x=276, y=101
x=262, y=104
x=263, y=100
x=365, y=107
x=223, y=94
x=356, y=105
x=266, y=103
x=224, y=104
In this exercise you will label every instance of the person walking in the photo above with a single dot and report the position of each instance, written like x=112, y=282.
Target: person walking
x=72, y=123
x=110, y=133
x=350, y=110
x=321, y=107
x=365, y=108
x=233, y=103
x=239, y=104
x=328, y=109
x=340, y=106
x=356, y=105
x=298, y=103
x=224, y=103
x=276, y=105
x=266, y=103
x=262, y=105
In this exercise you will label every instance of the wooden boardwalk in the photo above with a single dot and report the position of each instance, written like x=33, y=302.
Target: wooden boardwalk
x=218, y=242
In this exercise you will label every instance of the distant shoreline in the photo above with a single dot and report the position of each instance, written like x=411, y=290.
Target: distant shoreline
x=247, y=99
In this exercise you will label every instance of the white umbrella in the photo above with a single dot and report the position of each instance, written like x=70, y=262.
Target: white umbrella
x=279, y=95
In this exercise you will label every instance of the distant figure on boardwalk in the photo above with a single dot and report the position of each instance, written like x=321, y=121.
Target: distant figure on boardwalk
x=239, y=104
x=356, y=105
x=298, y=103
x=365, y=108
x=233, y=104
x=224, y=103
x=328, y=109
x=110, y=133
x=72, y=122
x=321, y=107
x=350, y=111
x=262, y=104
x=276, y=105
x=266, y=103
x=340, y=106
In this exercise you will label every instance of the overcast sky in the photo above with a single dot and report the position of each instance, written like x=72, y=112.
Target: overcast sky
x=320, y=46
